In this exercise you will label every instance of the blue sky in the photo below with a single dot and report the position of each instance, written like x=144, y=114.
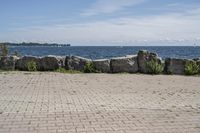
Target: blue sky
x=101, y=22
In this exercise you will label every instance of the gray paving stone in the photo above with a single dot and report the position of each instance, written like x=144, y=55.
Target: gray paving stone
x=120, y=103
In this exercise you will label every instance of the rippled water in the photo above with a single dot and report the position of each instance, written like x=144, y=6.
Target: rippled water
x=98, y=52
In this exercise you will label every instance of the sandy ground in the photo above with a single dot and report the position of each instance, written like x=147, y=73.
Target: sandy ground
x=102, y=103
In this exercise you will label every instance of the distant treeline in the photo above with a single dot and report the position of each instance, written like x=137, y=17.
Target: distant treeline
x=35, y=44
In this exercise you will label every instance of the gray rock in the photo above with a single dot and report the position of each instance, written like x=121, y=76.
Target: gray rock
x=144, y=57
x=76, y=63
x=21, y=64
x=61, y=61
x=175, y=66
x=198, y=62
x=124, y=64
x=196, y=59
x=8, y=63
x=102, y=65
x=50, y=63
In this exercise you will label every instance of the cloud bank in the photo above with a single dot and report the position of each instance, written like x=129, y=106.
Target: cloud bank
x=163, y=29
x=109, y=6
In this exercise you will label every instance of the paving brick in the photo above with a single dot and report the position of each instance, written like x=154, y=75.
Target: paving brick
x=104, y=103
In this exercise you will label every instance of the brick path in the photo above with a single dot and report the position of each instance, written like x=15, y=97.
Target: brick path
x=101, y=103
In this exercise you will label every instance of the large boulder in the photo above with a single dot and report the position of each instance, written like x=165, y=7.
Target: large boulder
x=76, y=63
x=124, y=64
x=102, y=65
x=50, y=63
x=198, y=62
x=144, y=57
x=175, y=66
x=196, y=59
x=21, y=64
x=8, y=62
x=61, y=61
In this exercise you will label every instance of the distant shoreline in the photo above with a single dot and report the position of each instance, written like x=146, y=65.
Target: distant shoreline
x=36, y=44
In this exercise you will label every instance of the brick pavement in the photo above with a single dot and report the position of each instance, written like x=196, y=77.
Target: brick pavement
x=98, y=103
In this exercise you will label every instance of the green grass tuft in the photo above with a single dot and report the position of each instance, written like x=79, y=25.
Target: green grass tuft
x=191, y=68
x=153, y=67
x=62, y=70
x=90, y=68
x=32, y=66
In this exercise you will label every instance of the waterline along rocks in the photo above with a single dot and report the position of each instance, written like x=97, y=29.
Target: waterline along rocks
x=128, y=64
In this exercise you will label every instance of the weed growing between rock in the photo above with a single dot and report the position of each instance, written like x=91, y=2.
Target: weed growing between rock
x=191, y=68
x=153, y=67
x=90, y=68
x=62, y=70
x=32, y=66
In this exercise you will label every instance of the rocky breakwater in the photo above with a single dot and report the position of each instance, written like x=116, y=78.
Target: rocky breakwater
x=102, y=65
x=144, y=57
x=8, y=62
x=143, y=62
x=175, y=66
x=48, y=63
x=76, y=63
x=127, y=64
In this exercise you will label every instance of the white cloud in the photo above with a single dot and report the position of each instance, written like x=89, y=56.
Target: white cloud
x=109, y=6
x=168, y=28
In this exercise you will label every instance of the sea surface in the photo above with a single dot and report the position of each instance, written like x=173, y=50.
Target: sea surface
x=100, y=52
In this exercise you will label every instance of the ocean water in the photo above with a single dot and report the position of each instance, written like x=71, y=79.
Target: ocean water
x=100, y=52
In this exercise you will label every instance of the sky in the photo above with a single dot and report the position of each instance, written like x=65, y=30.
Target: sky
x=101, y=22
